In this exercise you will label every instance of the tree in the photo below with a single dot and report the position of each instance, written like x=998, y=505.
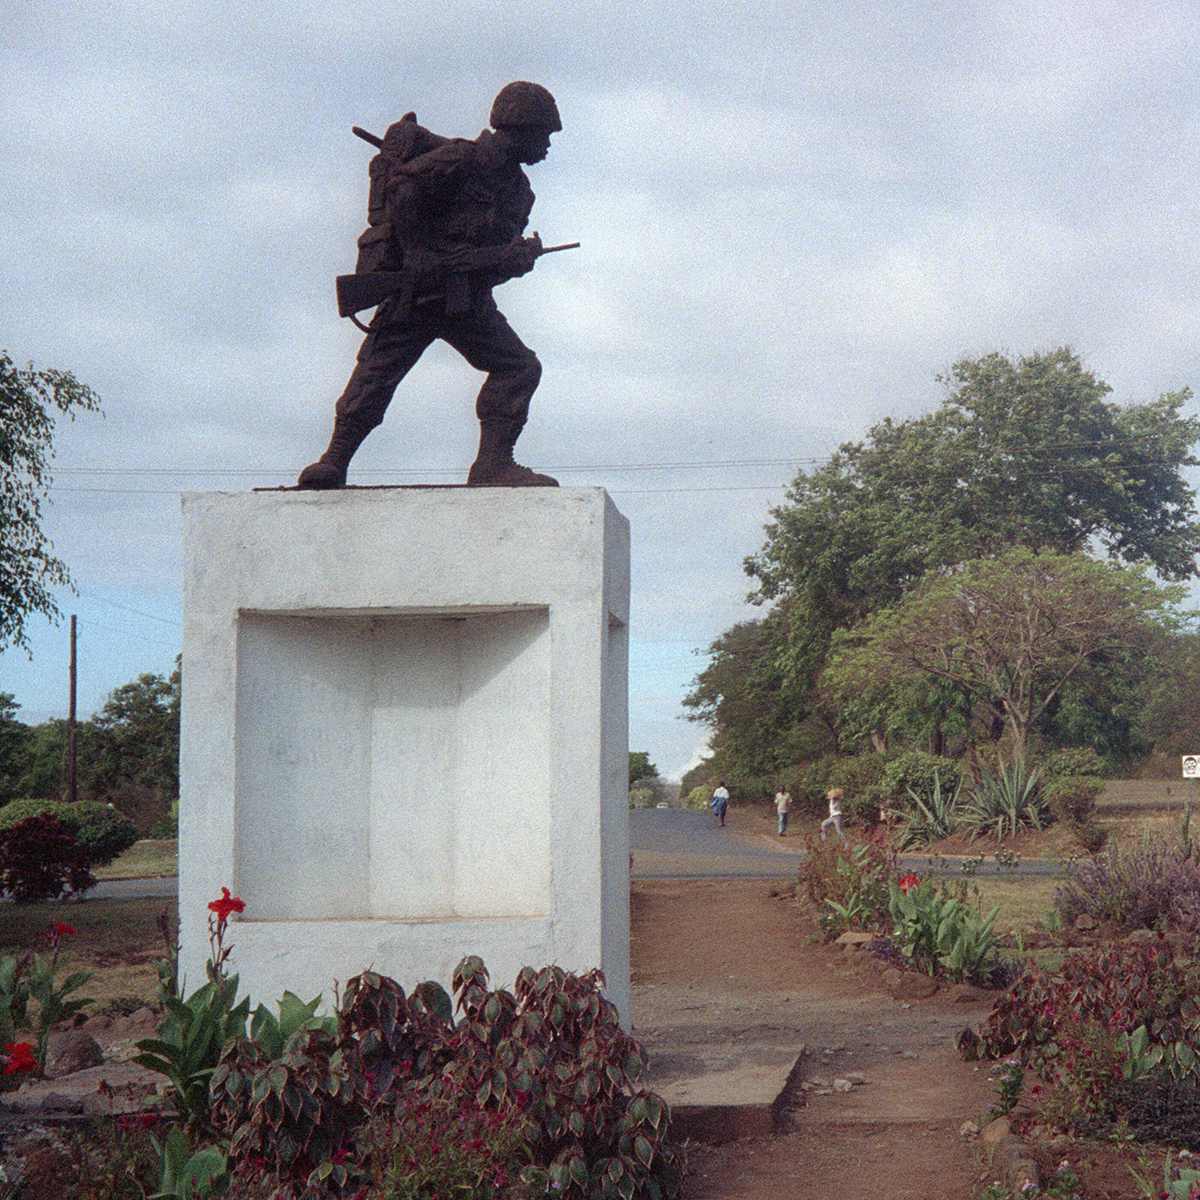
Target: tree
x=28, y=569
x=762, y=725
x=138, y=737
x=1020, y=453
x=640, y=766
x=1011, y=632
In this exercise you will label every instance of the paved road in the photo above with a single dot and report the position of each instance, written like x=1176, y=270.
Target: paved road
x=688, y=844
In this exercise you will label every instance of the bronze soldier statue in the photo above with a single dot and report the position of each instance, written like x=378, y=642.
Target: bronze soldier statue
x=447, y=223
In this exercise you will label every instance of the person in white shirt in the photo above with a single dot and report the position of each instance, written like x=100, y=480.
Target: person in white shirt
x=834, y=796
x=783, y=806
x=720, y=802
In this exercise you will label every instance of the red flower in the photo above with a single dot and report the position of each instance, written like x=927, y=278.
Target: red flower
x=911, y=880
x=226, y=905
x=20, y=1058
x=60, y=930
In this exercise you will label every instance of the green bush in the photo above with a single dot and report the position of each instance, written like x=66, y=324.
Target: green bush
x=1074, y=761
x=100, y=831
x=1007, y=801
x=859, y=776
x=1071, y=782
x=940, y=931
x=931, y=816
x=916, y=771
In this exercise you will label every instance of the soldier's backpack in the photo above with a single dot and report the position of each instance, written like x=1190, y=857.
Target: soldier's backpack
x=404, y=141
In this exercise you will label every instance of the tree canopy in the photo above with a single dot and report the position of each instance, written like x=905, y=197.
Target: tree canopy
x=29, y=400
x=1010, y=632
x=1026, y=453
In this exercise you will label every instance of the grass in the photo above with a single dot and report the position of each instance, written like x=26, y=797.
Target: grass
x=1024, y=903
x=117, y=940
x=148, y=858
x=1133, y=809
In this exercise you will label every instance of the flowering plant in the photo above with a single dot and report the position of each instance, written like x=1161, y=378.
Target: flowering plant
x=195, y=1031
x=19, y=1058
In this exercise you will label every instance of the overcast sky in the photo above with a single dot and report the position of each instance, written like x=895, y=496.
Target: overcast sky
x=793, y=217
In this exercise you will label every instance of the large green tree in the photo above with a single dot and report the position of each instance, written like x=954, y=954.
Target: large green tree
x=1027, y=452
x=29, y=402
x=1010, y=631
x=138, y=737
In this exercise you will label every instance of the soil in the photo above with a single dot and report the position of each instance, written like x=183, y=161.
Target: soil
x=723, y=963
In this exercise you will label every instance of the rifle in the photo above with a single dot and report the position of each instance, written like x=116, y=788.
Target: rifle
x=370, y=288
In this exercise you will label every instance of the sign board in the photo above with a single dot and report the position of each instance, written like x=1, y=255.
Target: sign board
x=1191, y=766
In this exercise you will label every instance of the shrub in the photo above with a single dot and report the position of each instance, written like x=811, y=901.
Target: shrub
x=102, y=832
x=849, y=883
x=940, y=931
x=1106, y=1016
x=931, y=816
x=858, y=776
x=1154, y=886
x=543, y=1075
x=41, y=860
x=916, y=771
x=1075, y=762
x=1006, y=801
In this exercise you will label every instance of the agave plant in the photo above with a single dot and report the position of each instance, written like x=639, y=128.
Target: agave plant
x=1005, y=802
x=931, y=817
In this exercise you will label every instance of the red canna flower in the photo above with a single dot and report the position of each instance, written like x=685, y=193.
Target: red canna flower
x=911, y=880
x=20, y=1058
x=225, y=905
x=60, y=930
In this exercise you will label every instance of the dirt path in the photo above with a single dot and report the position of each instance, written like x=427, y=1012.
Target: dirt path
x=725, y=973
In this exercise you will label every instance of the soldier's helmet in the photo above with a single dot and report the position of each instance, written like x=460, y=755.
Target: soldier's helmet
x=524, y=103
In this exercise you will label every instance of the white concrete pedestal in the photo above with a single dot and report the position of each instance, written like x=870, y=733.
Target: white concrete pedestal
x=405, y=734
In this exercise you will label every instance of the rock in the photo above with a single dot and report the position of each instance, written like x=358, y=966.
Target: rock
x=996, y=1131
x=968, y=993
x=853, y=940
x=856, y=1077
x=968, y=1129
x=1085, y=923
x=912, y=986
x=842, y=1085
x=70, y=1051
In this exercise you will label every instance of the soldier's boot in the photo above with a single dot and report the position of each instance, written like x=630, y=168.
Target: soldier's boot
x=494, y=465
x=329, y=471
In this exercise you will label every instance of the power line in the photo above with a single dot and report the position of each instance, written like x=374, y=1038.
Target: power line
x=129, y=608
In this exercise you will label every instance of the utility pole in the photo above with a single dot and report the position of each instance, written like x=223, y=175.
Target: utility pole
x=71, y=791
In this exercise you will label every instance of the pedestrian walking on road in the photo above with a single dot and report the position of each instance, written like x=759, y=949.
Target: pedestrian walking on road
x=720, y=802
x=834, y=796
x=783, y=806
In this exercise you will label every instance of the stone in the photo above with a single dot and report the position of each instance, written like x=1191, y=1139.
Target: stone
x=70, y=1051
x=968, y=993
x=913, y=986
x=853, y=939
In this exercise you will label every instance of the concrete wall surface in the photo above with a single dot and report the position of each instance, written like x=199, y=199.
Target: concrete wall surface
x=405, y=733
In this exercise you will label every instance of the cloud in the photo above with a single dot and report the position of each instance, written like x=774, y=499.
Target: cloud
x=792, y=217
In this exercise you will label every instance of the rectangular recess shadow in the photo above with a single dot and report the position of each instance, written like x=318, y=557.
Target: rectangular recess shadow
x=393, y=766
